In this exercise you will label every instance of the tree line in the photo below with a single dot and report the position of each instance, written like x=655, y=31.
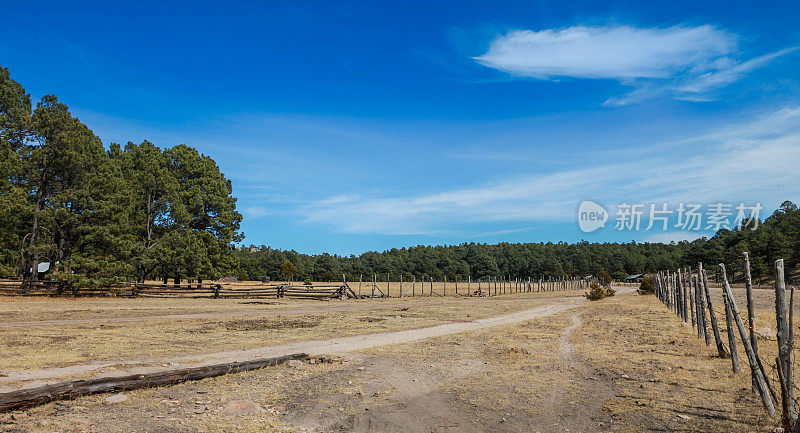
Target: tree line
x=778, y=236
x=100, y=215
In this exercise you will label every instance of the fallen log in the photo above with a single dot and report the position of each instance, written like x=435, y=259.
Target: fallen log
x=76, y=388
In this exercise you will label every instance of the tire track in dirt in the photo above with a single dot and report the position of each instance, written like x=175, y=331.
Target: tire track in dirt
x=576, y=408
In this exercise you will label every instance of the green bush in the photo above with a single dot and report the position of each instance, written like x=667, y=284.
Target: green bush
x=597, y=292
x=647, y=286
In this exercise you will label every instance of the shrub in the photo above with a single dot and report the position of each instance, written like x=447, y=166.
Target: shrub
x=647, y=286
x=597, y=292
x=307, y=282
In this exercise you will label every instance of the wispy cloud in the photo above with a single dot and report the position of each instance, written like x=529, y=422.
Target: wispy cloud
x=681, y=61
x=256, y=212
x=752, y=162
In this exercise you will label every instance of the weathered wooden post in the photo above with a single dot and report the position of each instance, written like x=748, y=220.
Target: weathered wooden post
x=686, y=298
x=704, y=308
x=748, y=284
x=360, y=276
x=681, y=292
x=692, y=297
x=401, y=284
x=723, y=353
x=784, y=358
x=729, y=321
x=698, y=304
x=762, y=383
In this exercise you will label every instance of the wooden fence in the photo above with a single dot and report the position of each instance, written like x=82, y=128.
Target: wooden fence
x=206, y=290
x=686, y=293
x=343, y=290
x=401, y=288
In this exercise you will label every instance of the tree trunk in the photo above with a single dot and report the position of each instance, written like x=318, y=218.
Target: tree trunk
x=76, y=388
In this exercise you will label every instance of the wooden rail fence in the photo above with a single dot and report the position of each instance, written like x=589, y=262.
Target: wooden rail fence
x=365, y=289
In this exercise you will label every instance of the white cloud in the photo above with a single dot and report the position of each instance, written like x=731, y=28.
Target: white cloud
x=686, y=62
x=609, y=52
x=723, y=77
x=256, y=212
x=752, y=162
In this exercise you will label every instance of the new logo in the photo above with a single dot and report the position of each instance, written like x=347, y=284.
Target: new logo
x=591, y=216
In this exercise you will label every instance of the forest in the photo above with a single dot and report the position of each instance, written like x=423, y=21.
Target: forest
x=99, y=214
x=778, y=236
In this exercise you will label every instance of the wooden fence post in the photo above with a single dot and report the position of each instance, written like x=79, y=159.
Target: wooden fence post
x=762, y=383
x=692, y=298
x=723, y=353
x=784, y=359
x=748, y=284
x=681, y=292
x=703, y=309
x=698, y=306
x=729, y=321
x=686, y=298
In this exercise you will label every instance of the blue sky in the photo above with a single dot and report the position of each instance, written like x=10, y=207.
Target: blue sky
x=354, y=126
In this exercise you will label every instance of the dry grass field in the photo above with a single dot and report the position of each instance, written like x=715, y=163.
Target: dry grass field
x=622, y=364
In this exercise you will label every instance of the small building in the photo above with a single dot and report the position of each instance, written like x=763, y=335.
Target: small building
x=637, y=278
